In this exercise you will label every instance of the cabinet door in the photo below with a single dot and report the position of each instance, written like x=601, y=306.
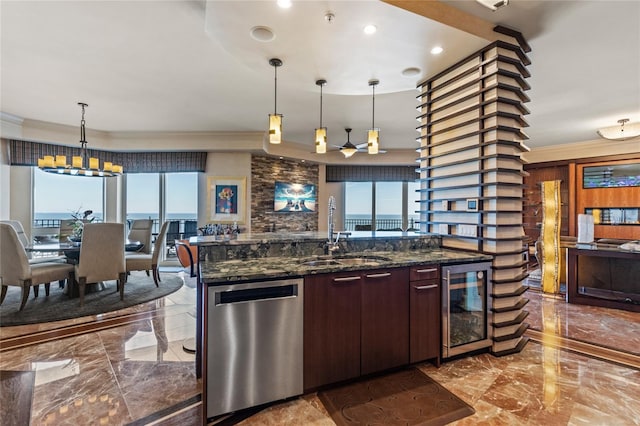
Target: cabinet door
x=425, y=320
x=385, y=319
x=331, y=328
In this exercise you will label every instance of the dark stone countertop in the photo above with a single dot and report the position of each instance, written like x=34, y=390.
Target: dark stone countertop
x=224, y=272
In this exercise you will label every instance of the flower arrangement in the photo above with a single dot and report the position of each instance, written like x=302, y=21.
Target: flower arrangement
x=79, y=219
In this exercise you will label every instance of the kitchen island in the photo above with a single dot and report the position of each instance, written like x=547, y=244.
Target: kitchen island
x=301, y=313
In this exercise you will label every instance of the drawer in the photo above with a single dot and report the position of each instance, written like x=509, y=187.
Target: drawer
x=424, y=272
x=424, y=285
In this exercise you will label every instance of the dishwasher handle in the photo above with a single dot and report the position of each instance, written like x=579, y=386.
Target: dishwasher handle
x=256, y=294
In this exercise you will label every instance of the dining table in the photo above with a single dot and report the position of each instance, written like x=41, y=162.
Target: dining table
x=74, y=247
x=71, y=251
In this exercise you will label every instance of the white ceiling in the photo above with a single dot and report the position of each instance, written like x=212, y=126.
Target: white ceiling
x=193, y=65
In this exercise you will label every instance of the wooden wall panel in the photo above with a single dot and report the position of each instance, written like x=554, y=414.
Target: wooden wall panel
x=471, y=141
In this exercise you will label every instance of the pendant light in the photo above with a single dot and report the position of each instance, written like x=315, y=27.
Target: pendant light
x=275, y=119
x=373, y=139
x=321, y=132
x=81, y=165
x=348, y=149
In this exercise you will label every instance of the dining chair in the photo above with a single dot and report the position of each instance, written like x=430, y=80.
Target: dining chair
x=141, y=230
x=25, y=241
x=190, y=229
x=173, y=233
x=101, y=256
x=15, y=269
x=146, y=262
x=187, y=255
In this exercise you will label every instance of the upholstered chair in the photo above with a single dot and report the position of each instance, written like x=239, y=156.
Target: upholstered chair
x=141, y=230
x=24, y=240
x=15, y=269
x=146, y=262
x=101, y=256
x=187, y=255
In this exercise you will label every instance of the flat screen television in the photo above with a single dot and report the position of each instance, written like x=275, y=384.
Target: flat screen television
x=294, y=197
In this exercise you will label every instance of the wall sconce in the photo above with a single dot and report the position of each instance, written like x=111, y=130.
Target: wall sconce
x=321, y=132
x=622, y=132
x=373, y=139
x=275, y=119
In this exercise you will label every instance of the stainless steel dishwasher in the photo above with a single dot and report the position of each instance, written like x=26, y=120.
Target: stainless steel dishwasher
x=254, y=344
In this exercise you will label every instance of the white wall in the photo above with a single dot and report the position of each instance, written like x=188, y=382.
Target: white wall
x=5, y=180
x=225, y=164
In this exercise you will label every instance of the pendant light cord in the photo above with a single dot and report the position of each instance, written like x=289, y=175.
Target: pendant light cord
x=83, y=137
x=320, y=105
x=275, y=90
x=373, y=109
x=373, y=83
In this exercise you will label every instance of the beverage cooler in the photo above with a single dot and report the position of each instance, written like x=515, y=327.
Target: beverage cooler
x=466, y=292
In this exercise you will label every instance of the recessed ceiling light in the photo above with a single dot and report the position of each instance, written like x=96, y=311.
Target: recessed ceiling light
x=261, y=33
x=411, y=71
x=437, y=50
x=370, y=29
x=285, y=4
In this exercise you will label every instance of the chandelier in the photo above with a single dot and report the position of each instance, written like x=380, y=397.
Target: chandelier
x=81, y=165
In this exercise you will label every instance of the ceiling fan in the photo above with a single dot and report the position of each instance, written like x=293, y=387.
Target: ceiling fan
x=348, y=149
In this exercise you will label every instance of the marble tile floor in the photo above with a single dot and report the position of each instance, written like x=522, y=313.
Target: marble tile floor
x=128, y=367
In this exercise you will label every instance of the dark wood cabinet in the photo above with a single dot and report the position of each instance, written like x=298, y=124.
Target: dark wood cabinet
x=331, y=328
x=424, y=314
x=385, y=322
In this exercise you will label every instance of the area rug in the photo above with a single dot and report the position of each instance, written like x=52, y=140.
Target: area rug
x=58, y=306
x=407, y=397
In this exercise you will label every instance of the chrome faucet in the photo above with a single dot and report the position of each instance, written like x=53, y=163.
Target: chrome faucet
x=332, y=208
x=332, y=245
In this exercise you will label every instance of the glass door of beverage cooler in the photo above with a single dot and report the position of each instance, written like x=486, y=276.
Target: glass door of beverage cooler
x=465, y=293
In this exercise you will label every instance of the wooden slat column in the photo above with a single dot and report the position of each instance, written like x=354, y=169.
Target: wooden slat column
x=471, y=171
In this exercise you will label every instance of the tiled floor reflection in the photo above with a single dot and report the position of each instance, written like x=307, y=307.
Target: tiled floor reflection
x=134, y=369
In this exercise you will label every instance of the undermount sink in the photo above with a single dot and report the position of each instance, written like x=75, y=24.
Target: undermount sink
x=372, y=260
x=319, y=262
x=355, y=260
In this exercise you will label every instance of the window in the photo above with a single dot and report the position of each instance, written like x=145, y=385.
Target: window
x=182, y=201
x=180, y=194
x=56, y=197
x=413, y=206
x=143, y=197
x=358, y=209
x=390, y=206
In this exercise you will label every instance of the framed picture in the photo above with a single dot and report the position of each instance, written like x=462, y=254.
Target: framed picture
x=226, y=197
x=294, y=197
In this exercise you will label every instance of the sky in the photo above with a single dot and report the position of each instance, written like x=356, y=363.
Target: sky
x=65, y=194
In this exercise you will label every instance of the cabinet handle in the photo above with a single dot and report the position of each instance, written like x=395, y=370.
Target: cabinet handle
x=346, y=279
x=424, y=271
x=384, y=274
x=425, y=287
